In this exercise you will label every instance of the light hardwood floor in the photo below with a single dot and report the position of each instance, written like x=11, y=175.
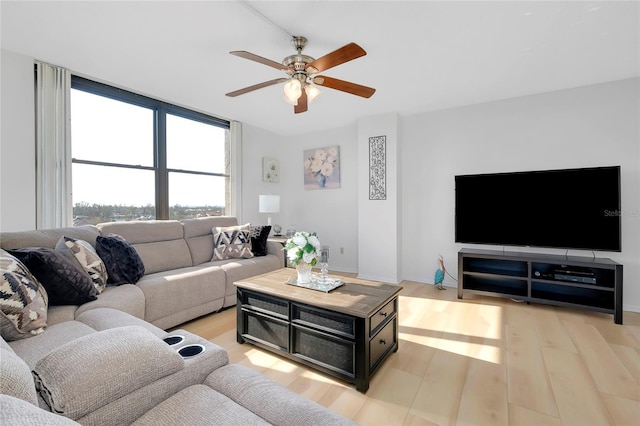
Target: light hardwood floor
x=477, y=361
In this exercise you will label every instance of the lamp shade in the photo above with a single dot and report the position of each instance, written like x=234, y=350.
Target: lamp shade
x=292, y=91
x=269, y=204
x=312, y=92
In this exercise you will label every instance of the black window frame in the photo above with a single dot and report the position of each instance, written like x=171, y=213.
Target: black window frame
x=160, y=111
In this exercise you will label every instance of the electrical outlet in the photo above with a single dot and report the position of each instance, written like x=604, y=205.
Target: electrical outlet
x=341, y=250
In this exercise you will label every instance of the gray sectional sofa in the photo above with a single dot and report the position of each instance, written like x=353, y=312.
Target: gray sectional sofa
x=109, y=368
x=180, y=282
x=106, y=362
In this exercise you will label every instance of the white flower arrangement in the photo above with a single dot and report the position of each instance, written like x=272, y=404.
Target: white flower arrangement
x=322, y=162
x=303, y=247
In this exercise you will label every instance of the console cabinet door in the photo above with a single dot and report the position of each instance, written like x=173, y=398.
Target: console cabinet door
x=328, y=351
x=265, y=329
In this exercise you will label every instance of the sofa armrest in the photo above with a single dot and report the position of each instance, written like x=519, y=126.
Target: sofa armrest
x=94, y=370
x=276, y=248
x=15, y=377
x=16, y=411
x=132, y=406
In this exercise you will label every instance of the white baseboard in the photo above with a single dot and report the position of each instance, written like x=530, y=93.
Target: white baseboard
x=388, y=280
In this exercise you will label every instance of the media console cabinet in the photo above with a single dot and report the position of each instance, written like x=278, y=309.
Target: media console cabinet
x=578, y=282
x=346, y=333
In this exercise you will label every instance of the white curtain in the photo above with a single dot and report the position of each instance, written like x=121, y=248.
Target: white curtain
x=235, y=136
x=53, y=147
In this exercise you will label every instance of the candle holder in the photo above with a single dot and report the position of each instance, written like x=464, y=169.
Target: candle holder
x=324, y=264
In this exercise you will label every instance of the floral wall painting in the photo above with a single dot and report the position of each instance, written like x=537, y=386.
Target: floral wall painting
x=322, y=168
x=378, y=168
x=270, y=170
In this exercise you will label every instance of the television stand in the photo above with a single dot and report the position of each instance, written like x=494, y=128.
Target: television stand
x=593, y=284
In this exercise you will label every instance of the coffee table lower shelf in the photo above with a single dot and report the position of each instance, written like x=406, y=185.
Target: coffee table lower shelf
x=347, y=345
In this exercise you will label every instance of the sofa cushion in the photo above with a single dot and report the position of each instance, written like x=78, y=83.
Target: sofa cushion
x=47, y=237
x=92, y=371
x=106, y=318
x=33, y=349
x=83, y=255
x=64, y=282
x=127, y=298
x=259, y=235
x=23, y=300
x=282, y=406
x=144, y=231
x=125, y=411
x=123, y=263
x=202, y=225
x=61, y=313
x=160, y=243
x=173, y=297
x=164, y=255
x=16, y=377
x=18, y=412
x=199, y=237
x=232, y=242
x=199, y=405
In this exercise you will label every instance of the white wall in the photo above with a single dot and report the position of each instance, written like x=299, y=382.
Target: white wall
x=379, y=221
x=590, y=126
x=332, y=213
x=258, y=143
x=17, y=143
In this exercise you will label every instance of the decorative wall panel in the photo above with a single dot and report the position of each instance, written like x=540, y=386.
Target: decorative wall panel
x=378, y=168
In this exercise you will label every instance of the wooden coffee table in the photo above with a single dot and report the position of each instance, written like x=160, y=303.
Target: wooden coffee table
x=346, y=333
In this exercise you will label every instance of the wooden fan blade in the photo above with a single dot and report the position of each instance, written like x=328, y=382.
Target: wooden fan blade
x=256, y=87
x=345, y=86
x=259, y=59
x=302, y=103
x=344, y=54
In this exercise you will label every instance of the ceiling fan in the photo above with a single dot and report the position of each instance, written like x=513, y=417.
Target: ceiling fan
x=300, y=85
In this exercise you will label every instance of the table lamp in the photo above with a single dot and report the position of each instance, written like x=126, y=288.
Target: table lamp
x=269, y=204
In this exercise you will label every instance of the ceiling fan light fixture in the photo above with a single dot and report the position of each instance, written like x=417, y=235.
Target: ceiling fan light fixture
x=312, y=92
x=287, y=100
x=301, y=73
x=292, y=91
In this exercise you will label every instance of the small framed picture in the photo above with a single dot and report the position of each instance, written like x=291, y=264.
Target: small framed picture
x=322, y=168
x=270, y=170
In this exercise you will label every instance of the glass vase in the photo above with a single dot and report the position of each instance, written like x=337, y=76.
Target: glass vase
x=304, y=272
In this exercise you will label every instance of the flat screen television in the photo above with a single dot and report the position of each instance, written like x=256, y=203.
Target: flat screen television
x=568, y=208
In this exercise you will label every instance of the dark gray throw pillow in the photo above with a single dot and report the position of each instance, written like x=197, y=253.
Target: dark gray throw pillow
x=259, y=235
x=65, y=283
x=124, y=264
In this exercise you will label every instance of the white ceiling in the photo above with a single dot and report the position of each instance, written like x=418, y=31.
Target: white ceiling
x=421, y=55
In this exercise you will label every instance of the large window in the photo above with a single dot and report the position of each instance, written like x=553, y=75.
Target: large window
x=136, y=158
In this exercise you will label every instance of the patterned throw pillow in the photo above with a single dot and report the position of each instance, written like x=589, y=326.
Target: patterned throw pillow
x=124, y=264
x=65, y=283
x=232, y=242
x=259, y=235
x=23, y=300
x=86, y=258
